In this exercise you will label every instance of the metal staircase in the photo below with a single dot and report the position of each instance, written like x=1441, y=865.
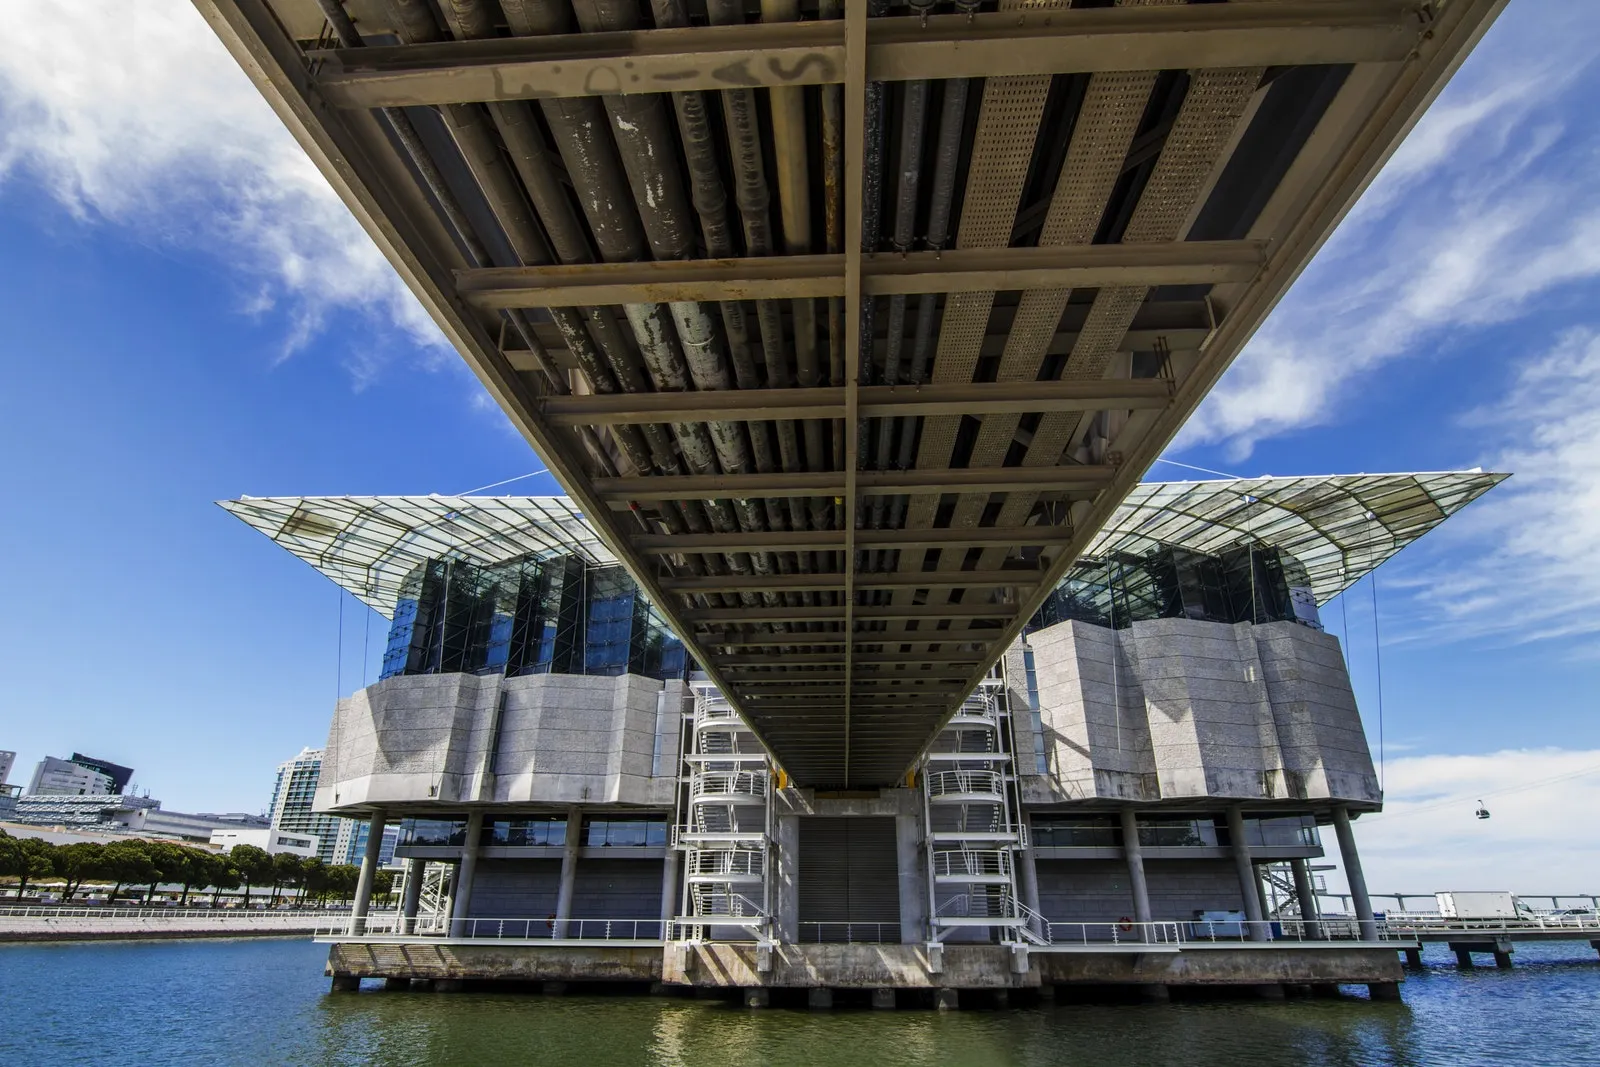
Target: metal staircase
x=725, y=833
x=974, y=827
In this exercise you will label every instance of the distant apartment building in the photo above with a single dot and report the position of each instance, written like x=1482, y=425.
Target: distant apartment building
x=292, y=797
x=120, y=776
x=352, y=844
x=6, y=760
x=60, y=777
x=267, y=839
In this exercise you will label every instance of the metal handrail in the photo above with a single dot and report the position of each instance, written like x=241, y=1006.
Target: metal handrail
x=726, y=861
x=111, y=911
x=1150, y=933
x=853, y=932
x=739, y=906
x=728, y=783
x=972, y=863
x=944, y=783
x=522, y=928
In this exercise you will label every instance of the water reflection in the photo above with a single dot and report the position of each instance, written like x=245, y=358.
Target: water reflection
x=265, y=1002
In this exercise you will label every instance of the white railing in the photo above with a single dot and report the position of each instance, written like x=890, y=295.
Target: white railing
x=972, y=863
x=726, y=863
x=715, y=711
x=119, y=913
x=751, y=784
x=999, y=906
x=1115, y=933
x=1579, y=925
x=849, y=933
x=965, y=783
x=713, y=902
x=517, y=929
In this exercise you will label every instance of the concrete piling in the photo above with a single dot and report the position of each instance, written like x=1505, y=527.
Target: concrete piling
x=883, y=999
x=819, y=998
x=1384, y=990
x=947, y=1000
x=346, y=983
x=757, y=997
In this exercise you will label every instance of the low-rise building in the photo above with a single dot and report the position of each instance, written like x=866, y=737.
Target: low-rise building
x=60, y=777
x=266, y=838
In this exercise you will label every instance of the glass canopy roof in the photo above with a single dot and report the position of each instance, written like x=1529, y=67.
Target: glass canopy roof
x=1339, y=526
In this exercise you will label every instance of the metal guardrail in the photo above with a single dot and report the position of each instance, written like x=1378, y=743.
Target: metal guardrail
x=426, y=927
x=849, y=933
x=972, y=863
x=947, y=783
x=1116, y=933
x=706, y=784
x=1583, y=925
x=130, y=914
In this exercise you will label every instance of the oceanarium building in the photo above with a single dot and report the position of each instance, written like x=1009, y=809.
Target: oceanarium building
x=1137, y=793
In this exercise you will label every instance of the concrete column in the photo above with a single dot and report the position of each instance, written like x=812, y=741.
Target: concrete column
x=369, y=871
x=1247, y=874
x=1307, y=897
x=569, y=871
x=788, y=903
x=1136, y=882
x=908, y=838
x=1027, y=868
x=669, y=887
x=465, y=875
x=411, y=898
x=819, y=998
x=883, y=999
x=1352, y=873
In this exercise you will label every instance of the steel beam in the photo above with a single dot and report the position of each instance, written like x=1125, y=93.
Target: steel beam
x=1084, y=478
x=882, y=274
x=779, y=613
x=832, y=540
x=710, y=58
x=778, y=583
x=876, y=401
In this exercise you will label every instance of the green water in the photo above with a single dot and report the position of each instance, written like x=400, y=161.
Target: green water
x=266, y=1002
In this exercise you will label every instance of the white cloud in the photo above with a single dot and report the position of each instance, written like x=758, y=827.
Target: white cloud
x=1488, y=207
x=1532, y=541
x=1539, y=837
x=134, y=114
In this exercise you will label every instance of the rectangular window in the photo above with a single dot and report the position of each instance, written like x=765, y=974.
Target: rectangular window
x=1075, y=831
x=1177, y=833
x=1288, y=831
x=532, y=831
x=433, y=832
x=644, y=832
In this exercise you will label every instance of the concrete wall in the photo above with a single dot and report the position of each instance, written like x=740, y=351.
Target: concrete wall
x=1179, y=708
x=561, y=739
x=1179, y=888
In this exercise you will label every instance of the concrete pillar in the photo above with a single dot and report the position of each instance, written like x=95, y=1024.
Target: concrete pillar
x=369, y=871
x=569, y=872
x=669, y=889
x=1352, y=873
x=883, y=999
x=913, y=873
x=411, y=897
x=757, y=997
x=819, y=998
x=1136, y=883
x=1463, y=956
x=947, y=1000
x=466, y=873
x=1247, y=874
x=391, y=984
x=1413, y=957
x=1307, y=897
x=1002, y=998
x=788, y=925
x=346, y=983
x=1383, y=990
x=1027, y=869
x=1502, y=959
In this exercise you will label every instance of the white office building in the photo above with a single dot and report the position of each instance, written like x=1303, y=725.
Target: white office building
x=59, y=777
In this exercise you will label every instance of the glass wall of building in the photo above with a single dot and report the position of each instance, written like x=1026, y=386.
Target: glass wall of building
x=551, y=615
x=1246, y=583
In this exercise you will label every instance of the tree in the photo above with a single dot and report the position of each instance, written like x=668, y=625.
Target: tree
x=342, y=880
x=224, y=875
x=166, y=865
x=76, y=862
x=126, y=863
x=254, y=866
x=194, y=869
x=382, y=883
x=287, y=870
x=313, y=878
x=25, y=858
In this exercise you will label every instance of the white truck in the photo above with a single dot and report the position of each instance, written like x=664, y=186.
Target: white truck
x=1482, y=906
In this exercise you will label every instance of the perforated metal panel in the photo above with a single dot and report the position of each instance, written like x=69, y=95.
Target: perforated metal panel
x=848, y=873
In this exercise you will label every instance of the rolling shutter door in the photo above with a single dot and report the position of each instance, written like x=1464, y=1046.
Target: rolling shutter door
x=848, y=874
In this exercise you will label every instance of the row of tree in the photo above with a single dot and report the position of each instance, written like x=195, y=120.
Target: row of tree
x=148, y=864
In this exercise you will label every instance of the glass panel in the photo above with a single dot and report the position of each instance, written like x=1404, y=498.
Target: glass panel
x=433, y=832
x=1284, y=831
x=533, y=831
x=644, y=832
x=1177, y=833
x=1075, y=831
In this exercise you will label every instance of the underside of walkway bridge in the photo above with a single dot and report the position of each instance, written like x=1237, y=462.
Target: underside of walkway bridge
x=848, y=324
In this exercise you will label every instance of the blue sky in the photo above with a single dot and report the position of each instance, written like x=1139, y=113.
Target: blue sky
x=189, y=314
